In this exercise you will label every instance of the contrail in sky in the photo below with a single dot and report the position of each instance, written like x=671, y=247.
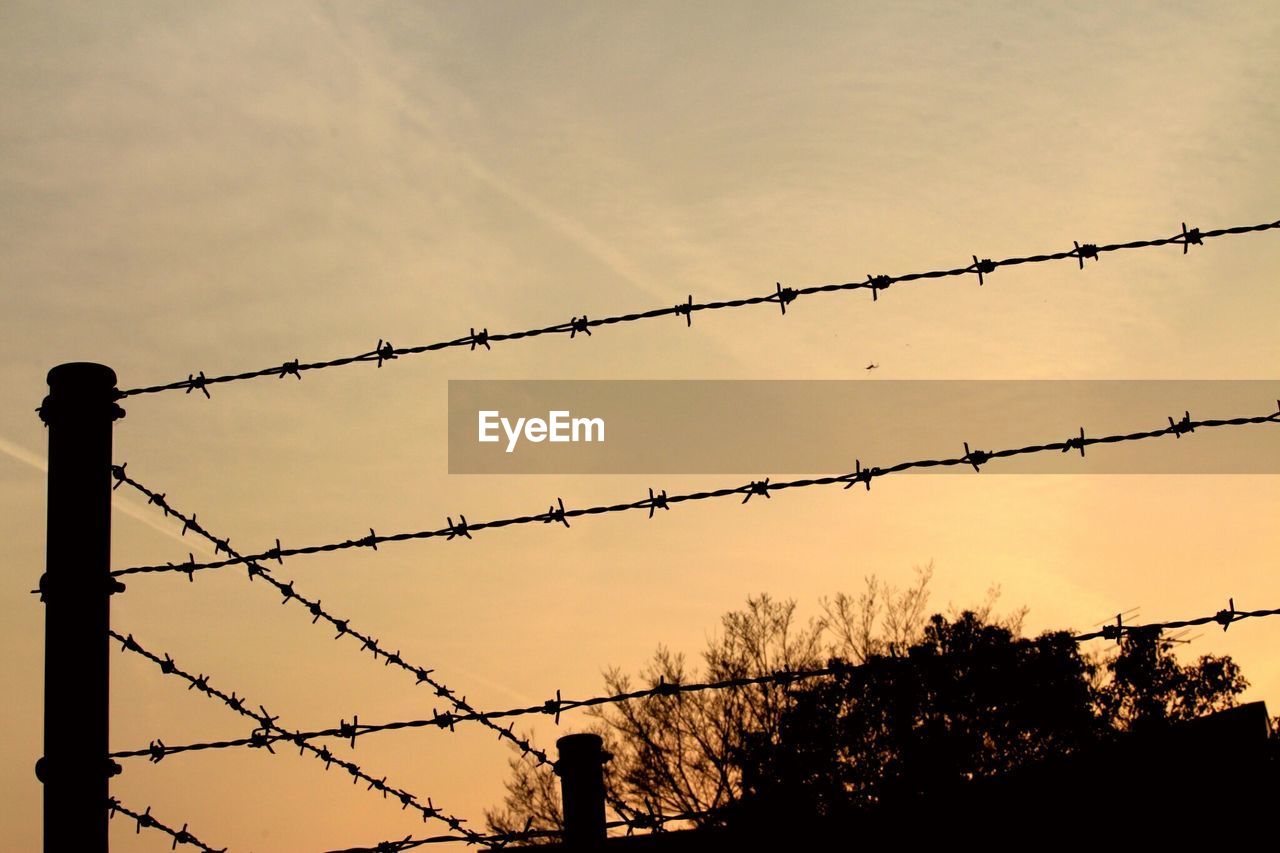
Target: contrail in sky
x=125, y=506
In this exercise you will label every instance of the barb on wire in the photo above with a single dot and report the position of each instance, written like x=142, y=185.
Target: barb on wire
x=559, y=705
x=558, y=513
x=146, y=820
x=268, y=730
x=422, y=675
x=1225, y=617
x=780, y=296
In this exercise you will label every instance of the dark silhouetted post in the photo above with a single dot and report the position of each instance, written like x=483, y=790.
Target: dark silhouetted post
x=581, y=771
x=76, y=589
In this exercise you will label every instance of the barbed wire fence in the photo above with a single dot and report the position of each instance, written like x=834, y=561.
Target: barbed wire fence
x=83, y=398
x=343, y=627
x=269, y=732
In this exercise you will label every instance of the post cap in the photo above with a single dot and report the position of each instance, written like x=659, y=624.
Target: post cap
x=80, y=389
x=580, y=746
x=81, y=376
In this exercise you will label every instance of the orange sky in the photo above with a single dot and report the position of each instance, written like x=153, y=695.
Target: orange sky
x=192, y=187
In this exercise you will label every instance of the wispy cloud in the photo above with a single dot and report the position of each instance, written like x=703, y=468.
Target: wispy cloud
x=414, y=115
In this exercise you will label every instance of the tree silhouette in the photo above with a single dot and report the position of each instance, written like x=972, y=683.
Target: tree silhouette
x=927, y=704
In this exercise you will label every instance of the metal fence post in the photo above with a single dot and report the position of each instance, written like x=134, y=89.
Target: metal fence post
x=76, y=589
x=581, y=771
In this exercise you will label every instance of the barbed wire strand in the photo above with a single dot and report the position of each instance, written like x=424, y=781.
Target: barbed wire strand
x=267, y=723
x=146, y=820
x=557, y=513
x=504, y=838
x=558, y=705
x=369, y=643
x=781, y=296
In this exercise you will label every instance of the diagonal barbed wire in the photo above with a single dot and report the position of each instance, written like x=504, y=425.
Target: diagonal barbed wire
x=145, y=820
x=270, y=731
x=781, y=296
x=368, y=643
x=501, y=839
x=555, y=707
x=558, y=514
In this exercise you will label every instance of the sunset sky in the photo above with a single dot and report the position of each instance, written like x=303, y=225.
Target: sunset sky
x=224, y=187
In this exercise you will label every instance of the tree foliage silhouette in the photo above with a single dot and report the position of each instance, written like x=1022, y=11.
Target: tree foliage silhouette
x=936, y=701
